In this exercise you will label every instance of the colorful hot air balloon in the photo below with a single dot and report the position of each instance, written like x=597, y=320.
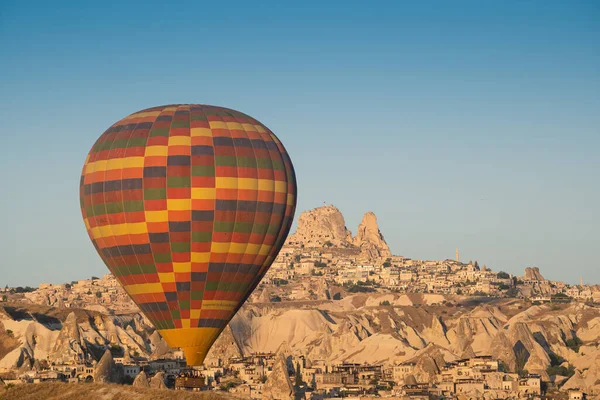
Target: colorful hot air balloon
x=188, y=206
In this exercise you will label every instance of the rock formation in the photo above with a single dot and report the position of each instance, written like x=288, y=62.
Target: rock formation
x=69, y=344
x=533, y=274
x=141, y=380
x=104, y=369
x=278, y=385
x=321, y=226
x=158, y=381
x=369, y=238
x=326, y=227
x=224, y=348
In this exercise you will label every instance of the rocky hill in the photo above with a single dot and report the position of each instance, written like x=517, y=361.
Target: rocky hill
x=326, y=227
x=375, y=328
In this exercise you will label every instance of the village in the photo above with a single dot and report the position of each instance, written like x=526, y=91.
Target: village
x=294, y=277
x=477, y=377
x=295, y=272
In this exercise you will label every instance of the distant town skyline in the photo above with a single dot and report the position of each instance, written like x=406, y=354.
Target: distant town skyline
x=471, y=126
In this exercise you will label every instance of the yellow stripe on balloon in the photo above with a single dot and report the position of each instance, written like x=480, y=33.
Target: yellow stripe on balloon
x=200, y=257
x=134, y=228
x=114, y=163
x=268, y=185
x=160, y=151
x=235, y=248
x=249, y=127
x=166, y=277
x=217, y=125
x=145, y=114
x=144, y=288
x=157, y=216
x=179, y=204
x=182, y=267
x=195, y=132
x=234, y=126
x=204, y=193
x=219, y=304
x=179, y=141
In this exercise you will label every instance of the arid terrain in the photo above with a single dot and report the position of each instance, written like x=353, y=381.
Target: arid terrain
x=332, y=305
x=96, y=391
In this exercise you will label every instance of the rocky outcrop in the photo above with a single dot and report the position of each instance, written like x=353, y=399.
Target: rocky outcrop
x=158, y=381
x=278, y=385
x=533, y=274
x=369, y=238
x=141, y=380
x=326, y=227
x=224, y=348
x=69, y=345
x=104, y=369
x=321, y=226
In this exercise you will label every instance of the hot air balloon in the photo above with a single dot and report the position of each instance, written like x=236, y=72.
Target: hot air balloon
x=188, y=205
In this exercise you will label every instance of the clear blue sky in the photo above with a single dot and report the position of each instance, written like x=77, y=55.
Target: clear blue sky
x=460, y=124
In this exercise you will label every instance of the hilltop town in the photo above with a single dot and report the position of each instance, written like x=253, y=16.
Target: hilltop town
x=337, y=315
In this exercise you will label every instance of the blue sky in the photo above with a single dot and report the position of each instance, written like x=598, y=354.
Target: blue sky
x=460, y=124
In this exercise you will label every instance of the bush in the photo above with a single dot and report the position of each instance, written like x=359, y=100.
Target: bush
x=319, y=264
x=26, y=289
x=9, y=332
x=275, y=299
x=574, y=344
x=387, y=264
x=384, y=303
x=360, y=289
x=502, y=275
x=559, y=370
x=98, y=294
x=556, y=360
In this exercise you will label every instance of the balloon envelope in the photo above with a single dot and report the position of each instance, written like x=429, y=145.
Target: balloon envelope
x=188, y=206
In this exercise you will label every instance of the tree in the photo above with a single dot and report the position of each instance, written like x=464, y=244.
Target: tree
x=9, y=332
x=574, y=344
x=98, y=294
x=68, y=286
x=298, y=375
x=502, y=275
x=4, y=298
x=297, y=258
x=387, y=264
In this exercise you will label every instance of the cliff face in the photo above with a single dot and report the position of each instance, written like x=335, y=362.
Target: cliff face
x=320, y=226
x=370, y=239
x=355, y=329
x=325, y=226
x=533, y=274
